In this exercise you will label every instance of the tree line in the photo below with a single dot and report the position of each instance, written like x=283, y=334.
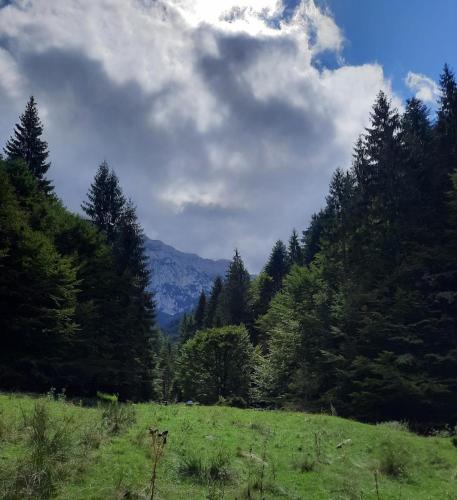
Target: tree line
x=76, y=312
x=358, y=315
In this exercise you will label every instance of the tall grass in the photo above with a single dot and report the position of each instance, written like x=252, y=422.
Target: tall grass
x=49, y=449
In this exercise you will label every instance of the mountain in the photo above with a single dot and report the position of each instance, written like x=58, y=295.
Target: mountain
x=178, y=279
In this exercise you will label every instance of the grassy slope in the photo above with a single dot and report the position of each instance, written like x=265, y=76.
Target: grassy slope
x=102, y=466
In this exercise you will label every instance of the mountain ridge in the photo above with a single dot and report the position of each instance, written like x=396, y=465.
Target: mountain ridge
x=177, y=278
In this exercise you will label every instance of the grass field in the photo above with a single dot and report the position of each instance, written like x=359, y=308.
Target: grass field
x=56, y=449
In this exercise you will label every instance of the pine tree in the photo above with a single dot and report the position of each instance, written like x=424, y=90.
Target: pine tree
x=295, y=254
x=106, y=202
x=26, y=144
x=235, y=304
x=186, y=328
x=213, y=318
x=277, y=265
x=38, y=285
x=137, y=348
x=200, y=311
x=311, y=237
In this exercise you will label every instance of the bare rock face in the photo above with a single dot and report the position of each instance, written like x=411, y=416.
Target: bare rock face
x=177, y=278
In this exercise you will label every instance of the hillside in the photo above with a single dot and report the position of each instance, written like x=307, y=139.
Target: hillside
x=62, y=450
x=178, y=278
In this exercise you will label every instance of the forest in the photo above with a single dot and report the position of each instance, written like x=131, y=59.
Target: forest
x=355, y=316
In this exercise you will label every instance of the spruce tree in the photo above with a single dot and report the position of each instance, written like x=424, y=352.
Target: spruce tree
x=295, y=253
x=311, y=237
x=106, y=202
x=236, y=307
x=277, y=265
x=137, y=344
x=200, y=311
x=26, y=144
x=38, y=285
x=213, y=318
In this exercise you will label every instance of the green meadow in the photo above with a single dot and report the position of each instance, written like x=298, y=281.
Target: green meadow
x=52, y=448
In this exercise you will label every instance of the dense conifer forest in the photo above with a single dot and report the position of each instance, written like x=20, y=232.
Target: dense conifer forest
x=356, y=316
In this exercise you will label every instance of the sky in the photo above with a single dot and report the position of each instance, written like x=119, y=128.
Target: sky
x=223, y=120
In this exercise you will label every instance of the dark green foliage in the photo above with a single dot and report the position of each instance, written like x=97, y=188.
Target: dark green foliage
x=369, y=327
x=229, y=303
x=277, y=265
x=38, y=285
x=212, y=318
x=200, y=311
x=187, y=327
x=294, y=251
x=106, y=202
x=26, y=144
x=216, y=363
x=166, y=369
x=311, y=237
x=75, y=309
x=235, y=297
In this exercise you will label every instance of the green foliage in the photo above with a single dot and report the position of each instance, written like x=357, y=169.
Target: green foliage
x=215, y=469
x=117, y=417
x=38, y=285
x=212, y=318
x=216, y=363
x=277, y=265
x=49, y=446
x=76, y=310
x=199, y=315
x=395, y=458
x=106, y=202
x=107, y=398
x=26, y=145
x=235, y=296
x=367, y=327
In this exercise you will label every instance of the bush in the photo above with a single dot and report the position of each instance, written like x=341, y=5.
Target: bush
x=216, y=468
x=200, y=378
x=118, y=417
x=395, y=458
x=49, y=450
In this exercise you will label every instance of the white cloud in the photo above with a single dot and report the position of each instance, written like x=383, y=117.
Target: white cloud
x=423, y=86
x=213, y=113
x=11, y=80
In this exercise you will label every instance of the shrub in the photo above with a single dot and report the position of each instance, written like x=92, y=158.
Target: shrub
x=49, y=450
x=395, y=458
x=116, y=417
x=216, y=468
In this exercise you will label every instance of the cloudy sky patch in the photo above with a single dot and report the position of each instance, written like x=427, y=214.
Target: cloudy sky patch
x=215, y=115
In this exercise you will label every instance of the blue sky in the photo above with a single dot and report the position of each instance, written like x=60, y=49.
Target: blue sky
x=401, y=35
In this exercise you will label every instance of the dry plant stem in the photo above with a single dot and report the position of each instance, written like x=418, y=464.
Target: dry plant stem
x=158, y=442
x=377, y=485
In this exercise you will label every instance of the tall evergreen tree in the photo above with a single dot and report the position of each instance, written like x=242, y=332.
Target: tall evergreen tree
x=277, y=265
x=311, y=237
x=200, y=311
x=106, y=202
x=137, y=347
x=236, y=308
x=26, y=144
x=213, y=308
x=295, y=253
x=38, y=285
